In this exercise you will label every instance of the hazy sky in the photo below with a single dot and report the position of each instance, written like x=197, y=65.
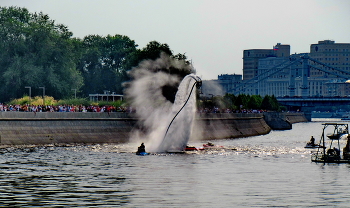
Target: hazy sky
x=212, y=33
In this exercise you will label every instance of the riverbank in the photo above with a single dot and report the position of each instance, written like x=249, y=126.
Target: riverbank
x=22, y=128
x=230, y=125
x=283, y=121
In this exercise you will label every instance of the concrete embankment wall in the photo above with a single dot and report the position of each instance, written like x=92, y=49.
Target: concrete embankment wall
x=219, y=126
x=57, y=127
x=45, y=128
x=283, y=121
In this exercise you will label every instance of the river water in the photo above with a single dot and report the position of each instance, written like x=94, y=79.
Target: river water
x=273, y=170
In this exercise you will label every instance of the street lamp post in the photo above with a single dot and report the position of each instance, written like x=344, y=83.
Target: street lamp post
x=43, y=95
x=106, y=92
x=30, y=93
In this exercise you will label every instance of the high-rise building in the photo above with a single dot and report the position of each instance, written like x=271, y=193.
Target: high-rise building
x=224, y=84
x=325, y=71
x=276, y=84
x=229, y=81
x=322, y=77
x=251, y=58
x=336, y=55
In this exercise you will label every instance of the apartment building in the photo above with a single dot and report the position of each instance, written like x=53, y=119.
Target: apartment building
x=294, y=79
x=224, y=84
x=251, y=58
x=319, y=83
x=336, y=55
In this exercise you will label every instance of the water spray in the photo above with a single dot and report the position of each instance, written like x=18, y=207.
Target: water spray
x=151, y=93
x=198, y=84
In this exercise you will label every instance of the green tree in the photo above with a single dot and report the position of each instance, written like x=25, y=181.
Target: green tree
x=254, y=102
x=229, y=100
x=104, y=61
x=275, y=104
x=34, y=51
x=153, y=50
x=270, y=103
x=177, y=65
x=242, y=101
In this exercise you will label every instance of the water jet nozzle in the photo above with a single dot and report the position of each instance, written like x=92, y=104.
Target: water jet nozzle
x=199, y=84
x=198, y=81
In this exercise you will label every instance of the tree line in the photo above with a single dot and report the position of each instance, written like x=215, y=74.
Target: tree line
x=37, y=52
x=241, y=101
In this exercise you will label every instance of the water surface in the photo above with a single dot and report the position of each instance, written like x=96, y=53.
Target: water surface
x=273, y=170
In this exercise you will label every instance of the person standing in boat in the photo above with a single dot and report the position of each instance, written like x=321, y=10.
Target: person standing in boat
x=312, y=141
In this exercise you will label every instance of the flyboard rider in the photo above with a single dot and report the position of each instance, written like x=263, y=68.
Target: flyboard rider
x=141, y=148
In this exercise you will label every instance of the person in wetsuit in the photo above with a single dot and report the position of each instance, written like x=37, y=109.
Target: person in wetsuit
x=141, y=148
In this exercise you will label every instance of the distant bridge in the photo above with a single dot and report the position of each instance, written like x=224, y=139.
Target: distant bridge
x=306, y=63
x=309, y=103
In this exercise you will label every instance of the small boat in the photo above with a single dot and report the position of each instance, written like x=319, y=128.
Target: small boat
x=209, y=144
x=329, y=151
x=190, y=148
x=334, y=136
x=312, y=146
x=141, y=150
x=142, y=153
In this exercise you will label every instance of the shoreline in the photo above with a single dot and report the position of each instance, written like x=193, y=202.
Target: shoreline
x=43, y=128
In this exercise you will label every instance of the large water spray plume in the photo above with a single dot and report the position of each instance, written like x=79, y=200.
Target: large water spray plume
x=165, y=119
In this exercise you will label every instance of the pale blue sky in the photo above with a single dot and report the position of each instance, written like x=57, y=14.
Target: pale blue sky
x=213, y=33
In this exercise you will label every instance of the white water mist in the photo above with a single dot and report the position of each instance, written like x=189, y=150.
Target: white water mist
x=182, y=116
x=155, y=112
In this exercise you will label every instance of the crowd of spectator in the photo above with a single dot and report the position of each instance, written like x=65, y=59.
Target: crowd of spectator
x=61, y=108
x=218, y=110
x=107, y=108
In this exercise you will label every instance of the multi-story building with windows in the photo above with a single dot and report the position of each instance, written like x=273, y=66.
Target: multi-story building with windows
x=251, y=58
x=225, y=83
x=336, y=55
x=319, y=83
x=229, y=81
x=317, y=75
x=276, y=84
